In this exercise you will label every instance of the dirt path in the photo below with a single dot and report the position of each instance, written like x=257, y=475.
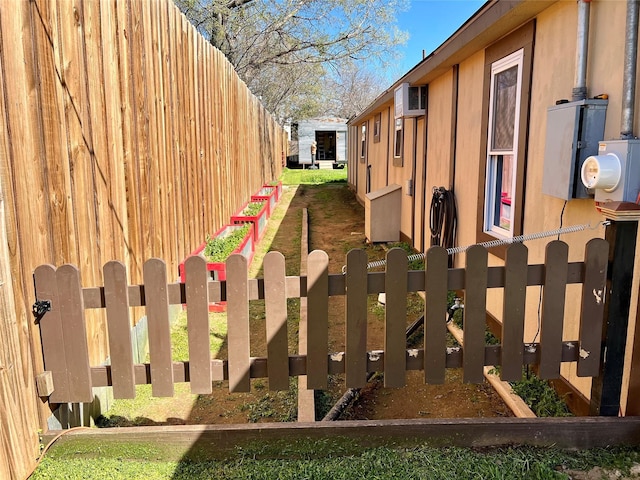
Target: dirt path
x=337, y=226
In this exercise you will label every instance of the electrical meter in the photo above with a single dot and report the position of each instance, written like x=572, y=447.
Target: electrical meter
x=601, y=171
x=614, y=174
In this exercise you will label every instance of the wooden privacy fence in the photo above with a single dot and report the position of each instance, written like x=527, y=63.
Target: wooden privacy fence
x=124, y=134
x=64, y=340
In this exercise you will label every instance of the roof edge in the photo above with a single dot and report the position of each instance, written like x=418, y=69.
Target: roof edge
x=492, y=21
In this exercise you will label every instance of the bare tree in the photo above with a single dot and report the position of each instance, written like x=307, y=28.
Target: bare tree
x=350, y=88
x=290, y=91
x=282, y=48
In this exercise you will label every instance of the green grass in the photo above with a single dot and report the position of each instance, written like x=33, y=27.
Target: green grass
x=338, y=463
x=135, y=411
x=265, y=244
x=313, y=177
x=180, y=336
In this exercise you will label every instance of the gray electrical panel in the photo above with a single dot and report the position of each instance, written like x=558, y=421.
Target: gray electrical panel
x=573, y=132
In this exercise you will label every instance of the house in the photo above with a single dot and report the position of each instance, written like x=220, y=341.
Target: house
x=504, y=114
x=330, y=135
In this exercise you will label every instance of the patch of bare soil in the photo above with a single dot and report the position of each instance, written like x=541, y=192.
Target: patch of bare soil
x=337, y=226
x=598, y=473
x=453, y=399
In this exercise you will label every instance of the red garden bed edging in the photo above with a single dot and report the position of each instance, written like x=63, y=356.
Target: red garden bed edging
x=268, y=195
x=278, y=186
x=218, y=272
x=259, y=220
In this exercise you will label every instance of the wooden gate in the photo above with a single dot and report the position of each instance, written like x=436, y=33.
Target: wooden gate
x=62, y=301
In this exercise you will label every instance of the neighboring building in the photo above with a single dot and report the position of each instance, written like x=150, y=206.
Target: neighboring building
x=491, y=116
x=330, y=134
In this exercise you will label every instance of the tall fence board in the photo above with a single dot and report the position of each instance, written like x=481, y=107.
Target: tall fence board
x=123, y=135
x=17, y=435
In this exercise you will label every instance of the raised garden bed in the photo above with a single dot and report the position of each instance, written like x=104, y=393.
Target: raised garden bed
x=277, y=184
x=255, y=213
x=268, y=195
x=230, y=239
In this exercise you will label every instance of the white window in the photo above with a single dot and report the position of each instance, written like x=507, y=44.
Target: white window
x=397, y=139
x=502, y=145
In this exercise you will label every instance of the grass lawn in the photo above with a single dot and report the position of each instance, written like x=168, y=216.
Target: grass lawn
x=313, y=177
x=67, y=461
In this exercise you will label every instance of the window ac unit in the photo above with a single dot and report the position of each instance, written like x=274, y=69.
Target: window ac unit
x=410, y=101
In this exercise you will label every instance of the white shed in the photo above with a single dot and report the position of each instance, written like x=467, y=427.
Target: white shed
x=330, y=135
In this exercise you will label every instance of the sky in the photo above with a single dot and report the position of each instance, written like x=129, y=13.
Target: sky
x=429, y=23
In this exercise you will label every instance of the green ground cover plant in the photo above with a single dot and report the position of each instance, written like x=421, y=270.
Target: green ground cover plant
x=417, y=264
x=274, y=406
x=252, y=209
x=219, y=248
x=540, y=396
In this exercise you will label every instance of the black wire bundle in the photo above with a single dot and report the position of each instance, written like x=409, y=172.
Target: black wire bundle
x=443, y=219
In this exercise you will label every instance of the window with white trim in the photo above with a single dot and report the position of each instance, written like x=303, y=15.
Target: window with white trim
x=397, y=142
x=502, y=145
x=363, y=140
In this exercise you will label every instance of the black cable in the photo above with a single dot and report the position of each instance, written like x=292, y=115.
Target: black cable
x=562, y=216
x=443, y=219
x=541, y=289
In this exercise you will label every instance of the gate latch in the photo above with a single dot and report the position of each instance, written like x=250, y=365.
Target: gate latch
x=39, y=308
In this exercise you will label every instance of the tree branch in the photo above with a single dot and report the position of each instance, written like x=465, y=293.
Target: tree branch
x=237, y=3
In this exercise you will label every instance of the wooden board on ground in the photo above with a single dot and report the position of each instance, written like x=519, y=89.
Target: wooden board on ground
x=202, y=442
